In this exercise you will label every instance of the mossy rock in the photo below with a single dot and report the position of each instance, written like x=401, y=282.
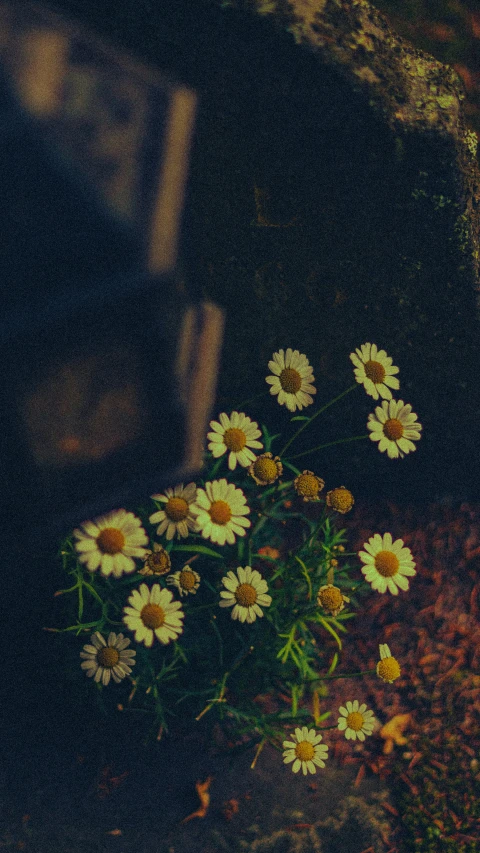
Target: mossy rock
x=334, y=188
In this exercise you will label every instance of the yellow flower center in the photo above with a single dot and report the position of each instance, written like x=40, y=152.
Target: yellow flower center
x=176, y=509
x=159, y=562
x=393, y=429
x=375, y=371
x=245, y=594
x=152, y=616
x=355, y=721
x=340, y=499
x=108, y=657
x=388, y=669
x=265, y=469
x=235, y=439
x=330, y=598
x=290, y=380
x=220, y=512
x=111, y=540
x=187, y=579
x=308, y=485
x=386, y=564
x=305, y=750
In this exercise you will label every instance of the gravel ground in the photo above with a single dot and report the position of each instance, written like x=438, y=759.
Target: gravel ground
x=72, y=782
x=67, y=794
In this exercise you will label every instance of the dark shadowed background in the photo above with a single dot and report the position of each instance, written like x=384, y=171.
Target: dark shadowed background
x=293, y=228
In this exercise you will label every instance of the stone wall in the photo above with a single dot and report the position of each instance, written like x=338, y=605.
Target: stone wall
x=334, y=189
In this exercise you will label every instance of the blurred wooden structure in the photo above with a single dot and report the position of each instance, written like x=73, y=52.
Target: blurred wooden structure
x=109, y=354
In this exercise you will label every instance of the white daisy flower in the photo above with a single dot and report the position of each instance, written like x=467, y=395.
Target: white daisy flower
x=110, y=658
x=152, y=612
x=110, y=543
x=355, y=721
x=176, y=516
x=388, y=564
x=305, y=750
x=332, y=599
x=246, y=591
x=375, y=371
x=388, y=667
x=156, y=562
x=340, y=499
x=292, y=379
x=234, y=435
x=395, y=427
x=186, y=580
x=308, y=486
x=266, y=469
x=220, y=511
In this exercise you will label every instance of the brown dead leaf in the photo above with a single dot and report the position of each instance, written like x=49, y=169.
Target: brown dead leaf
x=417, y=756
x=359, y=776
x=413, y=790
x=295, y=827
x=392, y=732
x=391, y=809
x=202, y=789
x=230, y=808
x=108, y=782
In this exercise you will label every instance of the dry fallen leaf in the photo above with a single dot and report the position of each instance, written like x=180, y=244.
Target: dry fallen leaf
x=108, y=782
x=392, y=732
x=230, y=808
x=202, y=789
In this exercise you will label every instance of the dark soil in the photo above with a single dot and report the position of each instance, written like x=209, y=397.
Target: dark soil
x=74, y=782
x=65, y=790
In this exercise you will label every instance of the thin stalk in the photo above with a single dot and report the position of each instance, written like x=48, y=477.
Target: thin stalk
x=323, y=409
x=329, y=444
x=343, y=675
x=257, y=752
x=250, y=400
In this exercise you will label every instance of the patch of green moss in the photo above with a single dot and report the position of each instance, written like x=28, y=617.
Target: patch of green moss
x=462, y=231
x=439, y=810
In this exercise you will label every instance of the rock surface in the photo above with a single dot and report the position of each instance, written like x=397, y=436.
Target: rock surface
x=334, y=193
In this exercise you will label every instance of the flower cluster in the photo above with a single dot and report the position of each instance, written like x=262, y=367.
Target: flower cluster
x=200, y=627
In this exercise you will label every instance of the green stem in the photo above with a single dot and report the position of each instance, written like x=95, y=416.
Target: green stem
x=329, y=444
x=220, y=641
x=343, y=675
x=216, y=699
x=64, y=591
x=79, y=627
x=306, y=576
x=323, y=409
x=250, y=400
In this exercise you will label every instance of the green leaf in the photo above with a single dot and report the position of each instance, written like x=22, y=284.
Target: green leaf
x=306, y=576
x=342, y=617
x=296, y=471
x=324, y=716
x=268, y=439
x=333, y=664
x=93, y=592
x=198, y=549
x=331, y=631
x=299, y=418
x=338, y=625
x=213, y=471
x=240, y=549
